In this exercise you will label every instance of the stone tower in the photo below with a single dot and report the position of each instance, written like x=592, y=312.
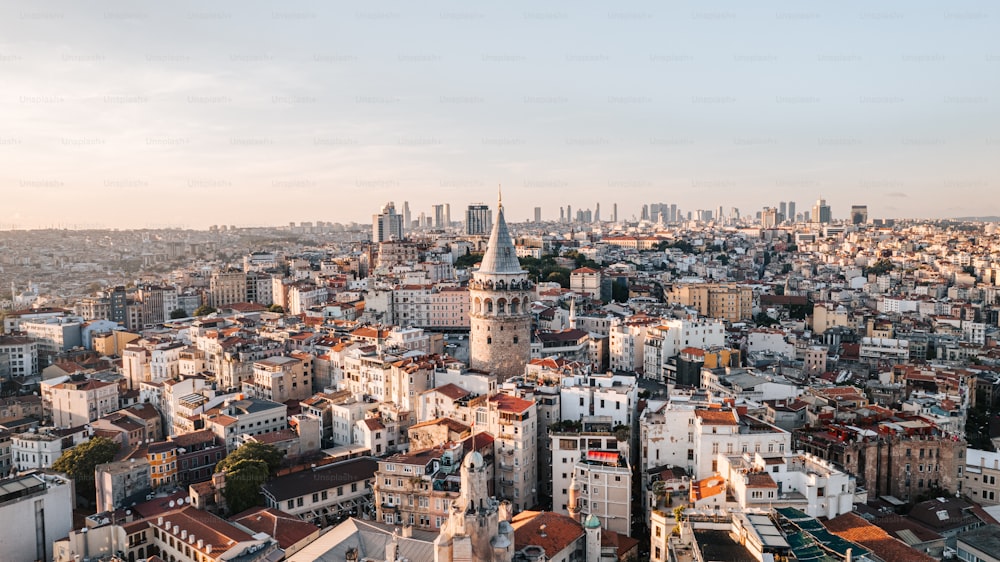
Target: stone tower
x=478, y=527
x=500, y=300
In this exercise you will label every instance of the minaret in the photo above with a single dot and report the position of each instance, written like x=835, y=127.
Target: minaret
x=573, y=506
x=572, y=314
x=592, y=526
x=499, y=304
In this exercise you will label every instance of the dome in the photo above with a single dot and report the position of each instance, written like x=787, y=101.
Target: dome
x=473, y=460
x=592, y=522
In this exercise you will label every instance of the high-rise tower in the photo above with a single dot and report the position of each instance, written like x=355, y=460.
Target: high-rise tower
x=500, y=297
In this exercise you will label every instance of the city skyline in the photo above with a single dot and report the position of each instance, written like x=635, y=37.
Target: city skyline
x=342, y=107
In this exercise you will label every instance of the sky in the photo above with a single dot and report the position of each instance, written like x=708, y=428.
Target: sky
x=188, y=114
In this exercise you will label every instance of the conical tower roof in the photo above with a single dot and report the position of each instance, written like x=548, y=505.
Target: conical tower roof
x=500, y=257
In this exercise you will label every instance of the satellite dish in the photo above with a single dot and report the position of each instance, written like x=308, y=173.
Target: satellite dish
x=171, y=504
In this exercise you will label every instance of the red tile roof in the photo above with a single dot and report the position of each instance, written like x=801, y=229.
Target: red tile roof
x=551, y=531
x=287, y=529
x=853, y=528
x=508, y=403
x=717, y=417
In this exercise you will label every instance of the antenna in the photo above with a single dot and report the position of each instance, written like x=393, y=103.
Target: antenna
x=499, y=197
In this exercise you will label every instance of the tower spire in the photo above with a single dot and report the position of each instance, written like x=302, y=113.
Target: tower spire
x=499, y=197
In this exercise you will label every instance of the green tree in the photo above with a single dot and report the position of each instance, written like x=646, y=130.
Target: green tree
x=243, y=481
x=881, y=267
x=246, y=469
x=276, y=308
x=468, y=260
x=178, y=313
x=255, y=451
x=204, y=310
x=80, y=461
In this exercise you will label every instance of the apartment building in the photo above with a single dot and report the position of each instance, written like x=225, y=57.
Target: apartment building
x=77, y=403
x=227, y=287
x=329, y=490
x=279, y=379
x=40, y=448
x=22, y=355
x=513, y=423
x=981, y=477
x=36, y=509
x=418, y=488
x=723, y=301
x=591, y=475
x=249, y=416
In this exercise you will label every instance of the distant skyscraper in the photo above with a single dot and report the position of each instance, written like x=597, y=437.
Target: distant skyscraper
x=478, y=219
x=387, y=225
x=562, y=215
x=597, y=213
x=119, y=305
x=718, y=215
x=791, y=211
x=538, y=214
x=859, y=214
x=769, y=217
x=782, y=211
x=673, y=213
x=407, y=221
x=645, y=213
x=821, y=212
x=447, y=215
x=569, y=213
x=614, y=212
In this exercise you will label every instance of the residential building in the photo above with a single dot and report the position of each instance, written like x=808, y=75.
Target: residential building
x=40, y=448
x=513, y=423
x=279, y=379
x=331, y=490
x=79, y=402
x=36, y=509
x=121, y=483
x=22, y=355
x=249, y=416
x=186, y=534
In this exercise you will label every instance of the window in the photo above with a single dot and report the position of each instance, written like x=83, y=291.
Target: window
x=298, y=502
x=291, y=504
x=315, y=498
x=323, y=495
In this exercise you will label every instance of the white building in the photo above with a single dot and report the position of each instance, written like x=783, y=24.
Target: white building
x=609, y=395
x=591, y=476
x=76, y=403
x=40, y=449
x=36, y=510
x=22, y=355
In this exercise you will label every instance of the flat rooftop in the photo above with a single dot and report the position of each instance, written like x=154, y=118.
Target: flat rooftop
x=717, y=546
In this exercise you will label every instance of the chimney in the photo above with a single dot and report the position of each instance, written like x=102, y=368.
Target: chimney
x=407, y=531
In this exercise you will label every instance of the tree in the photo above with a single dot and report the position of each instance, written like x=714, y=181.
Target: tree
x=246, y=469
x=178, y=313
x=79, y=463
x=243, y=481
x=276, y=308
x=204, y=310
x=253, y=450
x=468, y=260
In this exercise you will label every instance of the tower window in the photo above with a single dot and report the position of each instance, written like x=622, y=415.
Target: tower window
x=489, y=340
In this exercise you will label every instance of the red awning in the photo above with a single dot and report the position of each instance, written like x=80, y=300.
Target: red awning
x=603, y=456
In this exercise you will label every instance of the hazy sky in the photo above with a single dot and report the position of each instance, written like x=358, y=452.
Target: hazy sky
x=196, y=113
